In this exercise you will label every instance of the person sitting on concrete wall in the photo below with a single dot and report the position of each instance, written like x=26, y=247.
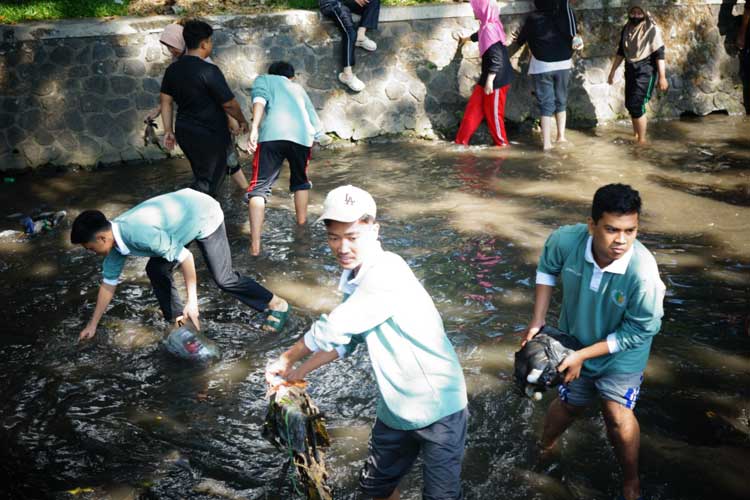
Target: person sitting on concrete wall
x=743, y=44
x=340, y=12
x=642, y=47
x=551, y=49
x=174, y=43
x=487, y=101
x=285, y=125
x=203, y=100
x=161, y=228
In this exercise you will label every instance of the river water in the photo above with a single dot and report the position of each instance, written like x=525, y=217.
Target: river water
x=117, y=418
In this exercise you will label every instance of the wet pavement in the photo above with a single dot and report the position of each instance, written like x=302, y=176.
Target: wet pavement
x=118, y=418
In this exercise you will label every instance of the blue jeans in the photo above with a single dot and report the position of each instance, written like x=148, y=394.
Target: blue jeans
x=340, y=12
x=551, y=91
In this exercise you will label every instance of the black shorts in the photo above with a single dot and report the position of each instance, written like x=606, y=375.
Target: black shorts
x=640, y=80
x=393, y=452
x=267, y=165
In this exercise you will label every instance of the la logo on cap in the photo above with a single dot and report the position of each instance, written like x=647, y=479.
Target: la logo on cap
x=348, y=199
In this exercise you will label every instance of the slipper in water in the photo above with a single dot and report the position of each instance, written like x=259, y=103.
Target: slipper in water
x=276, y=320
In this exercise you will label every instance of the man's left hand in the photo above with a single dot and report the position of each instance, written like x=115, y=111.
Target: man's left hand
x=362, y=3
x=488, y=88
x=663, y=84
x=571, y=365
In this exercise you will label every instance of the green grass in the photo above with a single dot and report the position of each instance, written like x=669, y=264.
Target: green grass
x=313, y=4
x=13, y=11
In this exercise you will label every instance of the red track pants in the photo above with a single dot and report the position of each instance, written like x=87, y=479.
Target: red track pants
x=481, y=106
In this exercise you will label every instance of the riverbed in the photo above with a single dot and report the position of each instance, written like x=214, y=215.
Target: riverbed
x=116, y=417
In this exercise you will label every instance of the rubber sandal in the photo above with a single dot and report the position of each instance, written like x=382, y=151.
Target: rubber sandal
x=281, y=318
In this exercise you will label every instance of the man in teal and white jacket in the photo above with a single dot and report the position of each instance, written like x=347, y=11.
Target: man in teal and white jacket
x=612, y=303
x=422, y=393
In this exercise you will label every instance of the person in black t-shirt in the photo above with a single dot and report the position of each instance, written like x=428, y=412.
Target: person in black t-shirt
x=203, y=100
x=642, y=47
x=743, y=43
x=487, y=101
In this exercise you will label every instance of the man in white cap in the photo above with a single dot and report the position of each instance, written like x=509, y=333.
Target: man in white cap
x=422, y=403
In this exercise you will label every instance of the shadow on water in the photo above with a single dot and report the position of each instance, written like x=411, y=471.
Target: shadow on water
x=121, y=417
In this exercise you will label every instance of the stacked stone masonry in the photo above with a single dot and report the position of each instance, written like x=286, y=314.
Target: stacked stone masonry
x=81, y=99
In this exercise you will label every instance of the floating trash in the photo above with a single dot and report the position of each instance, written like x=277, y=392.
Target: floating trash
x=295, y=425
x=535, y=367
x=185, y=342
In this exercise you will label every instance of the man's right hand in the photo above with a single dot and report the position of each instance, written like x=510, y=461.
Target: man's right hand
x=252, y=142
x=740, y=41
x=87, y=332
x=362, y=3
x=278, y=368
x=530, y=332
x=169, y=141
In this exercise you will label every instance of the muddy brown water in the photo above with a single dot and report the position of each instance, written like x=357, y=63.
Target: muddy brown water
x=118, y=418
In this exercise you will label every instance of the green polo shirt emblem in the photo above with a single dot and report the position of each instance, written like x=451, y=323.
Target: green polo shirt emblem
x=618, y=298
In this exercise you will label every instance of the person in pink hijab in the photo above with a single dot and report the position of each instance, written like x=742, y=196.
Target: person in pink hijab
x=487, y=101
x=171, y=39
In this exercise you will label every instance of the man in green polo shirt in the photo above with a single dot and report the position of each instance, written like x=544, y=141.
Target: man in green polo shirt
x=161, y=228
x=612, y=303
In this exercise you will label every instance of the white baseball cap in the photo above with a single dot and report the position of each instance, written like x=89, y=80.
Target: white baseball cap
x=347, y=204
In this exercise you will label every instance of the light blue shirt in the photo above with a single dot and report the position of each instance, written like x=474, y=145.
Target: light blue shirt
x=416, y=368
x=289, y=113
x=161, y=227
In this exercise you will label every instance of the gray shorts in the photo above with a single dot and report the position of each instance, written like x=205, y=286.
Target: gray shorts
x=551, y=91
x=393, y=452
x=622, y=388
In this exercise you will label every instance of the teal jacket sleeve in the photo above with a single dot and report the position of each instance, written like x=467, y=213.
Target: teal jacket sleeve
x=313, y=116
x=642, y=319
x=553, y=255
x=261, y=88
x=112, y=267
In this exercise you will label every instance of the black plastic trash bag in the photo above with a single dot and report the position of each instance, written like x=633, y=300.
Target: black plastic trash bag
x=535, y=366
x=295, y=425
x=185, y=342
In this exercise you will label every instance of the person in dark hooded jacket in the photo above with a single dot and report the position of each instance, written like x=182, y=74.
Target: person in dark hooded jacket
x=549, y=32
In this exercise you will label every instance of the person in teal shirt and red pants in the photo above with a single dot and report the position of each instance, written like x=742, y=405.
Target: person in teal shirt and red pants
x=612, y=303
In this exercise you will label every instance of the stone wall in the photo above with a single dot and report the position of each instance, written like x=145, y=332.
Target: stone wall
x=76, y=92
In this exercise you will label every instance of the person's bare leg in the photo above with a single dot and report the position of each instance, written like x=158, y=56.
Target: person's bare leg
x=256, y=212
x=625, y=435
x=240, y=179
x=546, y=123
x=559, y=417
x=300, y=205
x=561, y=118
x=639, y=129
x=396, y=495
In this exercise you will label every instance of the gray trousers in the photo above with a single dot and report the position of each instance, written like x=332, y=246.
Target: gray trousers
x=216, y=253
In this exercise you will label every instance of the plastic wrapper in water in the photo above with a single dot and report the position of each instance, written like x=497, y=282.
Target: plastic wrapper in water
x=185, y=342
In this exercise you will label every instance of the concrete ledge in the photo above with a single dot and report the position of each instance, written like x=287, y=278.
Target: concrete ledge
x=77, y=28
